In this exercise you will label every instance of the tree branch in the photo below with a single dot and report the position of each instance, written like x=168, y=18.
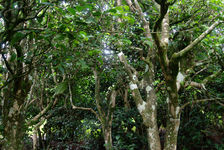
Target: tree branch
x=38, y=116
x=195, y=42
x=80, y=108
x=131, y=6
x=134, y=80
x=7, y=65
x=212, y=76
x=199, y=101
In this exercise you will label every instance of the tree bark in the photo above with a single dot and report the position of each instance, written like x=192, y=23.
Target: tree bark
x=13, y=121
x=13, y=131
x=14, y=96
x=147, y=108
x=35, y=140
x=173, y=119
x=108, y=138
x=105, y=116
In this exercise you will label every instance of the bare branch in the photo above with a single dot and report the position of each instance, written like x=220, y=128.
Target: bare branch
x=195, y=84
x=165, y=30
x=134, y=80
x=97, y=93
x=36, y=15
x=112, y=103
x=220, y=103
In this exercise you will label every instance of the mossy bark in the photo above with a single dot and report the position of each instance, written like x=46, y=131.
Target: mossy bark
x=14, y=123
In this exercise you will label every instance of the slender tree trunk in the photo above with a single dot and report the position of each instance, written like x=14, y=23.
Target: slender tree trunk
x=35, y=140
x=108, y=138
x=105, y=116
x=126, y=103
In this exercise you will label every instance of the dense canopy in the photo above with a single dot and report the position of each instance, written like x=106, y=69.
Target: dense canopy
x=112, y=74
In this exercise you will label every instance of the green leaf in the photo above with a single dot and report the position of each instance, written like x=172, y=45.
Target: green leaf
x=148, y=42
x=72, y=11
x=60, y=88
x=83, y=64
x=97, y=13
x=13, y=57
x=126, y=7
x=80, y=8
x=127, y=42
x=60, y=67
x=94, y=52
x=112, y=10
x=17, y=37
x=83, y=35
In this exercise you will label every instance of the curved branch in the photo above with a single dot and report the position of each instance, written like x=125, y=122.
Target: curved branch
x=195, y=42
x=38, y=116
x=80, y=108
x=199, y=101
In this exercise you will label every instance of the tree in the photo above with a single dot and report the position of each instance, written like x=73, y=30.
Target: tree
x=20, y=56
x=53, y=50
x=171, y=70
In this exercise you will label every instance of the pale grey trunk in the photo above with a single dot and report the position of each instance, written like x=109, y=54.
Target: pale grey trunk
x=35, y=141
x=108, y=138
x=151, y=123
x=153, y=139
x=172, y=133
x=147, y=108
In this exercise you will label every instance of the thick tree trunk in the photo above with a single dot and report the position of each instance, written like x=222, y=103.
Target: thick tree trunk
x=13, y=114
x=14, y=129
x=172, y=133
x=150, y=120
x=173, y=121
x=153, y=139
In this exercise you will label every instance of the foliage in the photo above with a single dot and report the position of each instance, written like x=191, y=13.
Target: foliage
x=54, y=44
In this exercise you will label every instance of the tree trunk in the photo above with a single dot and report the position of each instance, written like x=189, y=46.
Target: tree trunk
x=173, y=121
x=105, y=116
x=172, y=133
x=147, y=108
x=14, y=128
x=35, y=140
x=108, y=138
x=14, y=96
